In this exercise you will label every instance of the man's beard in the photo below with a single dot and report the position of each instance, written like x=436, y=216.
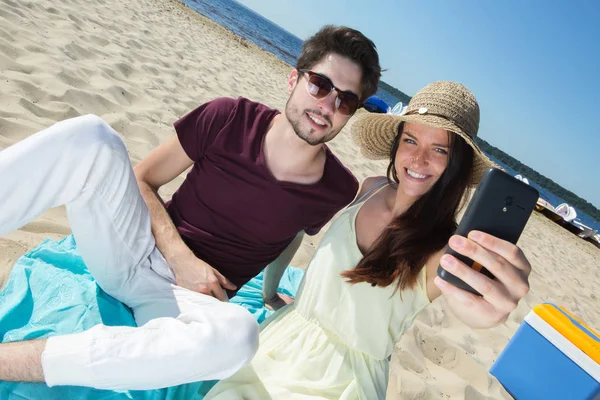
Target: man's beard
x=291, y=112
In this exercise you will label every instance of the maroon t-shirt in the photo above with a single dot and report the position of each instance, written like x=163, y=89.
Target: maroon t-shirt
x=230, y=210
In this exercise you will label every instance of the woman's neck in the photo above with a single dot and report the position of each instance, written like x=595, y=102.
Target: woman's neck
x=398, y=202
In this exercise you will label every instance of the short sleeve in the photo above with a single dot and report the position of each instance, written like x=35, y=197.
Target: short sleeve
x=198, y=129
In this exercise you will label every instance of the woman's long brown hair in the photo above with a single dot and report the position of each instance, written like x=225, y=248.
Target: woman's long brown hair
x=405, y=245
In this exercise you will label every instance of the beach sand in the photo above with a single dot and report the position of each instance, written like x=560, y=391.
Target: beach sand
x=142, y=64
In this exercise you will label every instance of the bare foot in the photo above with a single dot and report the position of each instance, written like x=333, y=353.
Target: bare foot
x=276, y=302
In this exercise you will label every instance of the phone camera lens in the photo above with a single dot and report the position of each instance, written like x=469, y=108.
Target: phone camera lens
x=508, y=201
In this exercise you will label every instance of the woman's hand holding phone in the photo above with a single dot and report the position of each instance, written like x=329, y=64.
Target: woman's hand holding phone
x=499, y=296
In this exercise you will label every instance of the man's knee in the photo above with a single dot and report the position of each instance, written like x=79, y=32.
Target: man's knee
x=92, y=132
x=234, y=340
x=246, y=338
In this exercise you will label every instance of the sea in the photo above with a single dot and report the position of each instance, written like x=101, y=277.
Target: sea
x=271, y=37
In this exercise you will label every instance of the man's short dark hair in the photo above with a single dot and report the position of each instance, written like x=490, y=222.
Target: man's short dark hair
x=346, y=42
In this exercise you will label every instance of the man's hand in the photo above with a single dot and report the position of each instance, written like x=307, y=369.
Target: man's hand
x=500, y=296
x=194, y=274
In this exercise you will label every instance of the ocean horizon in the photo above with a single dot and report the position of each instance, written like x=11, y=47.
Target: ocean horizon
x=274, y=39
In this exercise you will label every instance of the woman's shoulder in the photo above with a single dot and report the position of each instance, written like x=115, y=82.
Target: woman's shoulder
x=369, y=183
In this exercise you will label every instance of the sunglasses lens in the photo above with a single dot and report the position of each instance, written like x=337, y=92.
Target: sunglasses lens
x=348, y=103
x=319, y=87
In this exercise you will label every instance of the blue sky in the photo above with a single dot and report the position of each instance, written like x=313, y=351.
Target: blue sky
x=533, y=65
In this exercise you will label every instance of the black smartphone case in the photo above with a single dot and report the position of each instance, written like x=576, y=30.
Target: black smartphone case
x=501, y=206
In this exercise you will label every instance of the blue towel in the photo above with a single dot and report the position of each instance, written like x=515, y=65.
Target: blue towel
x=250, y=295
x=50, y=292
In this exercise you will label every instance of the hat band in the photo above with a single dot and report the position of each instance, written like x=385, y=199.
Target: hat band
x=425, y=111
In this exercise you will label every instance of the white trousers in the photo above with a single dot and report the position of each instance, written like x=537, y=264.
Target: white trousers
x=182, y=336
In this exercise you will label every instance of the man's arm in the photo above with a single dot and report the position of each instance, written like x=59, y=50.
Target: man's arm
x=275, y=270
x=161, y=166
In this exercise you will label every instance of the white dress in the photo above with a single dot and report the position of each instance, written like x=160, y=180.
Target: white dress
x=334, y=341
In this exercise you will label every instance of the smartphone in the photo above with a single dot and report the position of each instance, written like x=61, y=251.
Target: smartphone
x=500, y=206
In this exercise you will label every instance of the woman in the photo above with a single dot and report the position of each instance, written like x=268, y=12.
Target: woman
x=375, y=268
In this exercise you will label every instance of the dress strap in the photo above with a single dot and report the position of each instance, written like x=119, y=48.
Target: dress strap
x=371, y=191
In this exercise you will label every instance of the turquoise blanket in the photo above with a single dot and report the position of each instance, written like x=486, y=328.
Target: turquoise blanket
x=50, y=292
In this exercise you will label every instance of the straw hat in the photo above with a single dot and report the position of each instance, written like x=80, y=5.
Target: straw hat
x=442, y=104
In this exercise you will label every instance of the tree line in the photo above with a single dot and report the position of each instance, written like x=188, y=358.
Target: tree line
x=401, y=96
x=546, y=183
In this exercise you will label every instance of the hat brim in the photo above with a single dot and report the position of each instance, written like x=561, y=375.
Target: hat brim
x=375, y=133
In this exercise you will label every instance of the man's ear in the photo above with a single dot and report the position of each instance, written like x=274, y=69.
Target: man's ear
x=292, y=81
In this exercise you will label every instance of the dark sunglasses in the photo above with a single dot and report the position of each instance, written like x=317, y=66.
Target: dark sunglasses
x=319, y=87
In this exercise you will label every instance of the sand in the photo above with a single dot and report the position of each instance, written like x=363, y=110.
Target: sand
x=141, y=64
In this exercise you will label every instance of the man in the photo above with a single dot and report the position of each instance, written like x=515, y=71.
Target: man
x=259, y=179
